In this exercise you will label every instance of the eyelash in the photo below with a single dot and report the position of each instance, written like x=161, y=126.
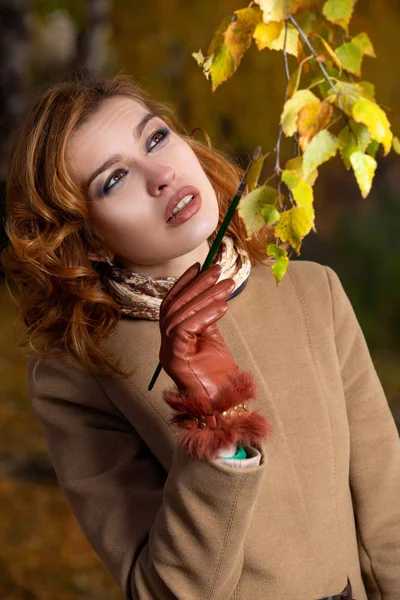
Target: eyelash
x=164, y=131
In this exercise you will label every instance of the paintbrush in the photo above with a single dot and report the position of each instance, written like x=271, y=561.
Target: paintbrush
x=217, y=242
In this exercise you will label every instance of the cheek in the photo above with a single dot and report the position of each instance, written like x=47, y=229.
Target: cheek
x=185, y=159
x=121, y=218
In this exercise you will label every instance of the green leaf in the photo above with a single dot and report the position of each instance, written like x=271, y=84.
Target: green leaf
x=270, y=214
x=361, y=133
x=306, y=21
x=364, y=167
x=255, y=172
x=291, y=110
x=350, y=57
x=368, y=89
x=396, y=144
x=250, y=207
x=339, y=11
x=364, y=44
x=355, y=138
x=291, y=178
x=222, y=66
x=321, y=148
x=282, y=261
x=373, y=148
x=370, y=114
x=347, y=145
x=350, y=93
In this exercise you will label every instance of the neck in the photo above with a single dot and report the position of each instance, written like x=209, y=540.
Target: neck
x=175, y=267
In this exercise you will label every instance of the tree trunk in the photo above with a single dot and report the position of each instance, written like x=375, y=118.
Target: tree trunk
x=14, y=65
x=92, y=41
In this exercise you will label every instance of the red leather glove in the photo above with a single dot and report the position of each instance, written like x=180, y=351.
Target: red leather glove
x=193, y=351
x=211, y=389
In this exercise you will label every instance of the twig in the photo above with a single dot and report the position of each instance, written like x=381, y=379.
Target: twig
x=315, y=55
x=280, y=133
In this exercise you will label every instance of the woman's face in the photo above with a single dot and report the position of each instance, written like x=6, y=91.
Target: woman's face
x=132, y=169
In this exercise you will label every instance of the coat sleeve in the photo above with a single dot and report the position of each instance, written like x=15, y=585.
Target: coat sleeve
x=162, y=536
x=374, y=454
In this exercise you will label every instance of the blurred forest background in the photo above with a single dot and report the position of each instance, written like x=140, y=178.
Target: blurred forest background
x=43, y=553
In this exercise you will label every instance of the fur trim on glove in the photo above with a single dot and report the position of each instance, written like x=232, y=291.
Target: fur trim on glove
x=205, y=426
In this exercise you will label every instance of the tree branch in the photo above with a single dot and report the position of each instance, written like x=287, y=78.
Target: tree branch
x=278, y=143
x=313, y=52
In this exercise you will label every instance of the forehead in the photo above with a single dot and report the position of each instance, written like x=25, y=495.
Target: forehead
x=98, y=137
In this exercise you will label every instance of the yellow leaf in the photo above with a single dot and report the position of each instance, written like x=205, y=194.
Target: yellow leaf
x=322, y=147
x=296, y=164
x=250, y=207
x=199, y=58
x=370, y=114
x=350, y=57
x=292, y=108
x=396, y=144
x=272, y=36
x=297, y=222
x=339, y=11
x=265, y=33
x=312, y=118
x=239, y=34
x=282, y=261
x=304, y=197
x=292, y=41
x=219, y=35
x=364, y=43
x=294, y=224
x=331, y=52
x=364, y=167
x=277, y=10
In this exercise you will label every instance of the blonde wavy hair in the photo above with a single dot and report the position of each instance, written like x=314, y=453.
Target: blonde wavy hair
x=63, y=300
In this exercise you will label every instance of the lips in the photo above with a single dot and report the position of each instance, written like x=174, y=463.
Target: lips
x=185, y=191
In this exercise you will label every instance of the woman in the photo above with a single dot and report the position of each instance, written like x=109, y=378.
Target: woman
x=180, y=495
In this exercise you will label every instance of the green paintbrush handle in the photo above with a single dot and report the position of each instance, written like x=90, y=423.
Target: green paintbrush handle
x=217, y=242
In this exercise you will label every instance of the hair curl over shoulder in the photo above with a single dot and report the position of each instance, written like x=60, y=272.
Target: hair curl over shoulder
x=63, y=300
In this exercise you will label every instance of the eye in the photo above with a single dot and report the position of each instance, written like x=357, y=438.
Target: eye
x=114, y=179
x=158, y=136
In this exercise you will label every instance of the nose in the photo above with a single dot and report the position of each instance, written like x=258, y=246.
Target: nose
x=158, y=177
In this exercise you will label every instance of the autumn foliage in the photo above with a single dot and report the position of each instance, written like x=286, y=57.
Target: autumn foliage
x=328, y=109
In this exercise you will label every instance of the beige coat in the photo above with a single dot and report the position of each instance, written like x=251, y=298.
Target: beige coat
x=324, y=503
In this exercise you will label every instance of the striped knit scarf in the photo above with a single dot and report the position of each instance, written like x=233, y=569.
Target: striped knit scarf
x=140, y=296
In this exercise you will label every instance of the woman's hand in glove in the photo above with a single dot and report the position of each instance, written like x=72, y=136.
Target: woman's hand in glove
x=211, y=401
x=193, y=351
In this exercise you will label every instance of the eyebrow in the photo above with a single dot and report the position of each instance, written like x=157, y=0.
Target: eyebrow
x=137, y=132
